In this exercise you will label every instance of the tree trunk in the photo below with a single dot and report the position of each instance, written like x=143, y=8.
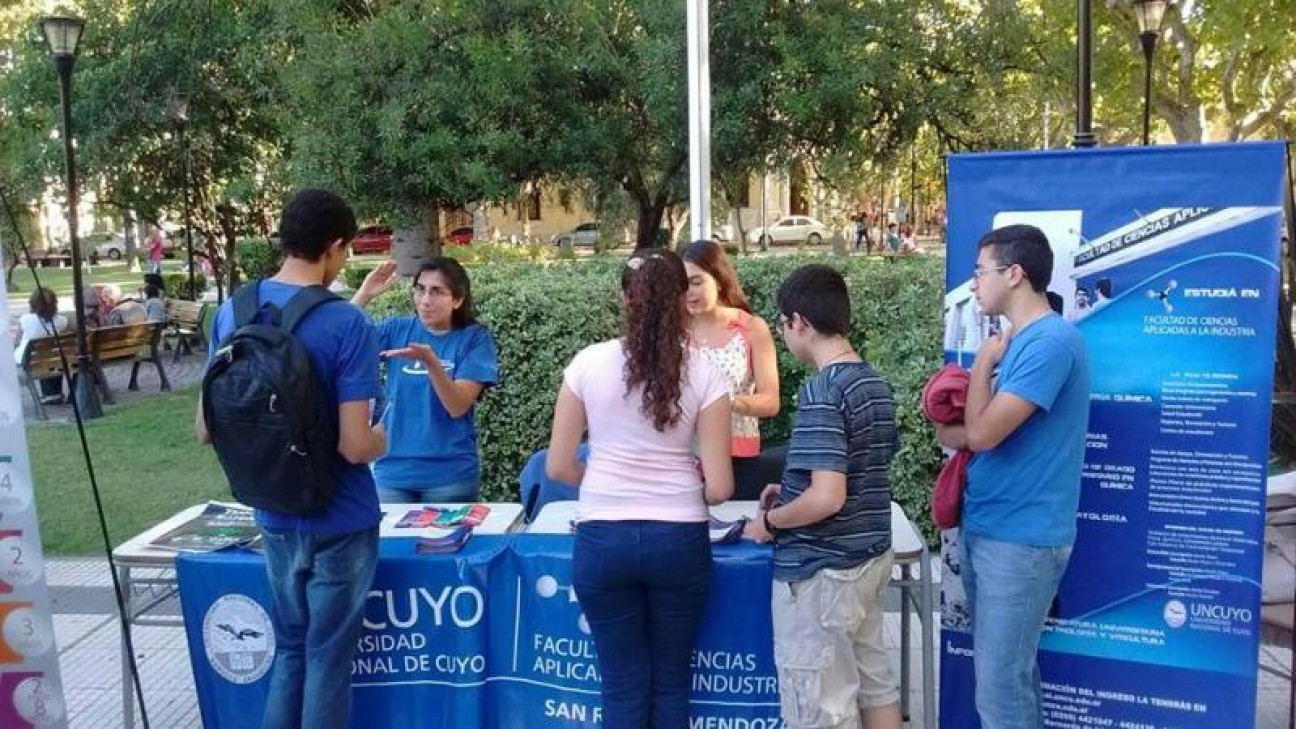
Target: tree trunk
x=129, y=232
x=223, y=270
x=414, y=244
x=735, y=211
x=650, y=220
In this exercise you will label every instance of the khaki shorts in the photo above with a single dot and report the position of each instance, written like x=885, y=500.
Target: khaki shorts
x=828, y=646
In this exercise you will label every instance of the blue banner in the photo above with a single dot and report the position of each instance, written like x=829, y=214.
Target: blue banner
x=490, y=637
x=1166, y=261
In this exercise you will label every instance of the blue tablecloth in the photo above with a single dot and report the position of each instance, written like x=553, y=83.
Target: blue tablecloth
x=489, y=637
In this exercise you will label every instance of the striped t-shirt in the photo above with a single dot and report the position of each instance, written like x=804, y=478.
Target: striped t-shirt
x=845, y=422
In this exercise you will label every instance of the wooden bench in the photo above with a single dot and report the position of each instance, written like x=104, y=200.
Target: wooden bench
x=135, y=342
x=185, y=325
x=41, y=360
x=52, y=260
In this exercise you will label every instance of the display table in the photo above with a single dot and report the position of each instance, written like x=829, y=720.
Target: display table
x=148, y=577
x=917, y=594
x=492, y=636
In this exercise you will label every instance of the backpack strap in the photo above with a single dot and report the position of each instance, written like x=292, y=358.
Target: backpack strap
x=247, y=304
x=302, y=303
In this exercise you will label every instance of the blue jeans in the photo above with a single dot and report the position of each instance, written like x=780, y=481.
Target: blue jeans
x=451, y=493
x=1009, y=590
x=643, y=586
x=319, y=583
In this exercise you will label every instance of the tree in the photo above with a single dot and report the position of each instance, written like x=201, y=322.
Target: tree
x=425, y=108
x=1223, y=71
x=134, y=57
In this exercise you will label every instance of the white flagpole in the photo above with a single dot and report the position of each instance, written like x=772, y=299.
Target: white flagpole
x=699, y=76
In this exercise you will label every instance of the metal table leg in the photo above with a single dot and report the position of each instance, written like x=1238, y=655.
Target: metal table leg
x=128, y=700
x=905, y=598
x=927, y=618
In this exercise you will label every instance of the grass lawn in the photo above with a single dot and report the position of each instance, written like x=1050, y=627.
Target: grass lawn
x=148, y=464
x=60, y=279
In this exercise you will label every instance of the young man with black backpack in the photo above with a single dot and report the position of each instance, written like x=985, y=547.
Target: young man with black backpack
x=286, y=403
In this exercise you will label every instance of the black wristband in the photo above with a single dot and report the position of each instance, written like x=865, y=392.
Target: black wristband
x=768, y=526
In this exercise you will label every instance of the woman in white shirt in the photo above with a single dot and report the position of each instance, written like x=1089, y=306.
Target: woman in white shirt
x=43, y=320
x=642, y=556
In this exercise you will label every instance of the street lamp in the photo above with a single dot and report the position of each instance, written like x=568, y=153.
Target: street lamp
x=1149, y=14
x=178, y=106
x=1084, y=72
x=62, y=34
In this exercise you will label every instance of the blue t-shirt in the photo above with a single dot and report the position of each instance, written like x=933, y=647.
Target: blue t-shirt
x=426, y=447
x=1027, y=489
x=340, y=341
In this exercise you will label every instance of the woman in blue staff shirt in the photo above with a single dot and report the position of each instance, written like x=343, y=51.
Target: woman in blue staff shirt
x=438, y=363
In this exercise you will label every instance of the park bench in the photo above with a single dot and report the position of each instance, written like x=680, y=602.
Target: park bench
x=185, y=325
x=52, y=260
x=41, y=360
x=137, y=343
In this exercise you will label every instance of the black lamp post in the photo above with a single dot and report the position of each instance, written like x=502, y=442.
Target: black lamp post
x=1084, y=74
x=179, y=109
x=62, y=35
x=1149, y=14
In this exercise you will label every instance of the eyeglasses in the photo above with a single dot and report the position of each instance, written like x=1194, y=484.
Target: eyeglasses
x=436, y=292
x=783, y=322
x=978, y=272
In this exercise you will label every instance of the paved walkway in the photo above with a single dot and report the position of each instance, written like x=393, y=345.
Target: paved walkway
x=184, y=373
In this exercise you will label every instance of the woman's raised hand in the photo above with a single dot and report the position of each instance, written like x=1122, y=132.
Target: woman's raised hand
x=378, y=281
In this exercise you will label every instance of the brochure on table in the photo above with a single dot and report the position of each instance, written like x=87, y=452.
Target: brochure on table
x=1166, y=259
x=31, y=694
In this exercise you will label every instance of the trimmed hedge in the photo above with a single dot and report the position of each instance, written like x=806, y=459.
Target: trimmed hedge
x=177, y=285
x=541, y=315
x=257, y=257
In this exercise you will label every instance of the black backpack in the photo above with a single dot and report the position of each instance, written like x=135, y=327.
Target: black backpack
x=276, y=439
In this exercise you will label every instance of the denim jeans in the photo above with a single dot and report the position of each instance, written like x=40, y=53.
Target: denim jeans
x=1009, y=589
x=451, y=493
x=318, y=583
x=643, y=586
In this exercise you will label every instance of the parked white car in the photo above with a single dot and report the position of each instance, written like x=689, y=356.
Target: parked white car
x=113, y=249
x=792, y=229
x=585, y=234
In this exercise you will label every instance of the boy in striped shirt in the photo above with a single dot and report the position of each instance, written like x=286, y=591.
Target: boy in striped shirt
x=830, y=521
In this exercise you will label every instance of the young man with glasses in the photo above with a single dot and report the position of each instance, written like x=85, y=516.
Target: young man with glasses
x=830, y=521
x=1026, y=417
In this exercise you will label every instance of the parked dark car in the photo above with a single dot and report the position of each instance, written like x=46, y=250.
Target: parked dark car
x=461, y=236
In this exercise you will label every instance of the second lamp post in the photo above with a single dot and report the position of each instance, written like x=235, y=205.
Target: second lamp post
x=1149, y=14
x=179, y=108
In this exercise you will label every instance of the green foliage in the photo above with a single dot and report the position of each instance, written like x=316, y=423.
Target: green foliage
x=480, y=253
x=133, y=56
x=177, y=285
x=257, y=257
x=541, y=315
x=354, y=275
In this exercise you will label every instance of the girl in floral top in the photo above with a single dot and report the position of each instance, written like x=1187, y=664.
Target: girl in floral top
x=739, y=344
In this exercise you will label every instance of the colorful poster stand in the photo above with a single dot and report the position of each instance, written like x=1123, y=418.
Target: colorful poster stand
x=31, y=694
